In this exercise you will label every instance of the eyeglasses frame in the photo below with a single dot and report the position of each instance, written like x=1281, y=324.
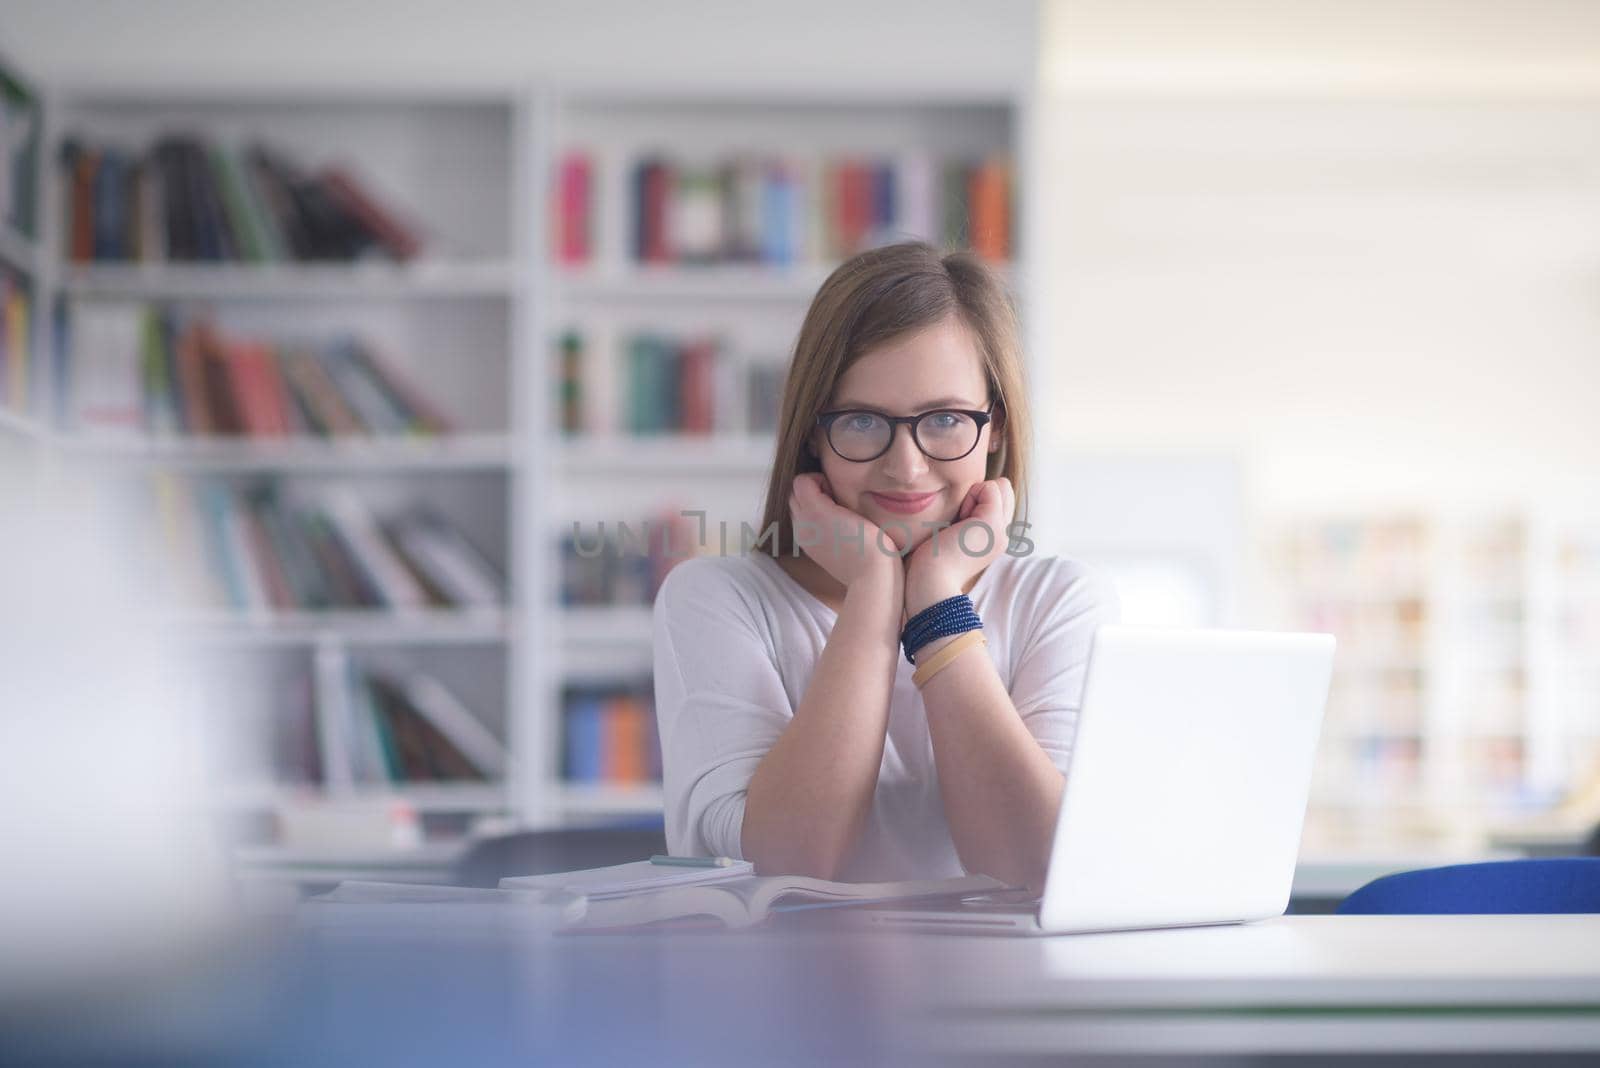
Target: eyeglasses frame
x=826, y=419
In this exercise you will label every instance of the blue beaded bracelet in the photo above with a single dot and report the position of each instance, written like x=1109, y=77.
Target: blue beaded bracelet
x=953, y=615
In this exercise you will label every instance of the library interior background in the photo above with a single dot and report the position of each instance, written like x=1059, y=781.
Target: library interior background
x=324, y=361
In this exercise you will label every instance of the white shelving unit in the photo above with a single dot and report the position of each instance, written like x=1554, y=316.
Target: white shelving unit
x=448, y=320
x=1451, y=716
x=755, y=308
x=22, y=432
x=474, y=323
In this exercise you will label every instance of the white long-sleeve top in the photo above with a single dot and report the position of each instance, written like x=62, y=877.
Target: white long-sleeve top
x=736, y=641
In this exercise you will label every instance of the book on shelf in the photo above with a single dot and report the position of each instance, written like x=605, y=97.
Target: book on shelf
x=784, y=210
x=749, y=900
x=610, y=735
x=136, y=370
x=18, y=389
x=19, y=151
x=696, y=385
x=574, y=215
x=398, y=725
x=184, y=200
x=266, y=551
x=624, y=564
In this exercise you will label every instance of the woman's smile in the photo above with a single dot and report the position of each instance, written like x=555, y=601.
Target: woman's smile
x=904, y=504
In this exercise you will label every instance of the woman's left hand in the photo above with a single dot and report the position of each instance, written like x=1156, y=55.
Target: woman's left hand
x=940, y=567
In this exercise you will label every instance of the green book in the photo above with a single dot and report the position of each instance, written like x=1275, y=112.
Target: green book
x=244, y=223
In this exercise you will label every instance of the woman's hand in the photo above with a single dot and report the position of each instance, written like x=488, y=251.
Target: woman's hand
x=830, y=538
x=941, y=566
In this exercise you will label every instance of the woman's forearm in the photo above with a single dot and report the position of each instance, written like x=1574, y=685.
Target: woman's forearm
x=811, y=793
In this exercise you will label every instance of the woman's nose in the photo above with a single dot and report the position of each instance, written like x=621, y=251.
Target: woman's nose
x=904, y=462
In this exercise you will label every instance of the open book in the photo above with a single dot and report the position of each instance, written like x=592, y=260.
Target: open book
x=747, y=901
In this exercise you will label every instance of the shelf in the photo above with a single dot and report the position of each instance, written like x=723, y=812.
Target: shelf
x=461, y=452
x=425, y=627
x=17, y=251
x=668, y=454
x=586, y=626
x=278, y=281
x=713, y=281
x=720, y=281
x=424, y=797
x=602, y=800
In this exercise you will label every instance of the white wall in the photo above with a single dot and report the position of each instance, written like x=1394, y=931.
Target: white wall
x=1379, y=286
x=472, y=42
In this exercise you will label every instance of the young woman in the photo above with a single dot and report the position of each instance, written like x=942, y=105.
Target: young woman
x=796, y=730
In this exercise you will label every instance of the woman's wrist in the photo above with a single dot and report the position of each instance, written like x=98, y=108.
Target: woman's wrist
x=924, y=595
x=876, y=583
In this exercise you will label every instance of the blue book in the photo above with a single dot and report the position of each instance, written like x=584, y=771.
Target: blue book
x=215, y=501
x=110, y=206
x=883, y=203
x=583, y=739
x=779, y=205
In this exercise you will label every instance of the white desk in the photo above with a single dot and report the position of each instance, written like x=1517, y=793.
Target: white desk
x=1291, y=985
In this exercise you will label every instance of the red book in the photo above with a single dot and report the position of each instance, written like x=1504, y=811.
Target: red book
x=192, y=382
x=991, y=224
x=83, y=175
x=695, y=384
x=657, y=188
x=223, y=413
x=856, y=206
x=400, y=239
x=839, y=180
x=250, y=396
x=573, y=230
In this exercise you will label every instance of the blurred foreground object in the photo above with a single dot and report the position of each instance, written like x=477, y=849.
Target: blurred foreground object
x=112, y=872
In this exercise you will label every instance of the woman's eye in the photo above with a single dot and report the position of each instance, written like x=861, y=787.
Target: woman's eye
x=944, y=420
x=861, y=423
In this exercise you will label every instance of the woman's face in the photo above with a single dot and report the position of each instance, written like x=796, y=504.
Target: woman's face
x=936, y=368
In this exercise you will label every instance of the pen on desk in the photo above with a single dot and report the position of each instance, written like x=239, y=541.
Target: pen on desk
x=695, y=862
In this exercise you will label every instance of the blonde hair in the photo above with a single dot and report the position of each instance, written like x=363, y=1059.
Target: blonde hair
x=871, y=299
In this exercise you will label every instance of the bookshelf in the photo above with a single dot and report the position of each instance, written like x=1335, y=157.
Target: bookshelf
x=1463, y=699
x=21, y=133
x=294, y=675
x=473, y=322
x=737, y=276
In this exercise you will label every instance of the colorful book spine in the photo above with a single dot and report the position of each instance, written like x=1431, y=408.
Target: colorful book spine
x=574, y=228
x=610, y=737
x=181, y=199
x=783, y=210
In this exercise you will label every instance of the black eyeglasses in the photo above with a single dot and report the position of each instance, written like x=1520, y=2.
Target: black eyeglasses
x=861, y=435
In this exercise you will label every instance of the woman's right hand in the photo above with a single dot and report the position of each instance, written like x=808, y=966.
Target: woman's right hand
x=832, y=533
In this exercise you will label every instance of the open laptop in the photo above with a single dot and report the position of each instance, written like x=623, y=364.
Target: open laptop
x=1186, y=792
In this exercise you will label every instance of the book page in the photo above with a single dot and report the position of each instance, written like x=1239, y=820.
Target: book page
x=802, y=888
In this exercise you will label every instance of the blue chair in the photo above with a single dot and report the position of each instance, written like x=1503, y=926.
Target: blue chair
x=1553, y=884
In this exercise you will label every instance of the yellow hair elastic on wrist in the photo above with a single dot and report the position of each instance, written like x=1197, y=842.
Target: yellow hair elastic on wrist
x=939, y=660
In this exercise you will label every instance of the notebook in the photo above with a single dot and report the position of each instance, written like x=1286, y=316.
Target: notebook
x=619, y=880
x=430, y=903
x=749, y=900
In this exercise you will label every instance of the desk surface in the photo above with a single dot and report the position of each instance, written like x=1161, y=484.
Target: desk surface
x=1294, y=984
x=488, y=985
